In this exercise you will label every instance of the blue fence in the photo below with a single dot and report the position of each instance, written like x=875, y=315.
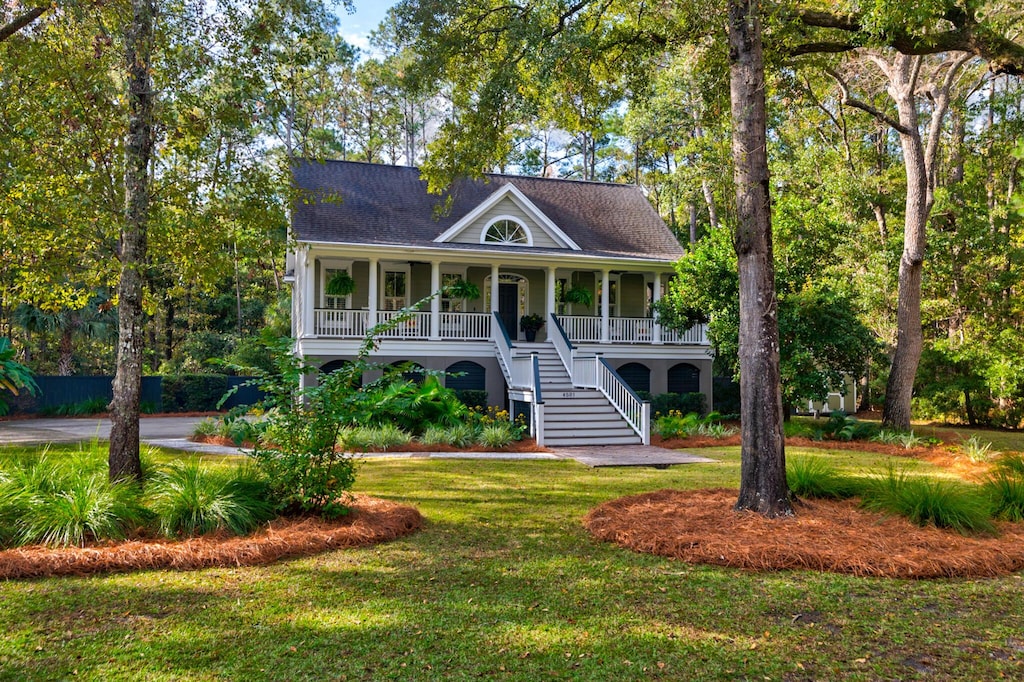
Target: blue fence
x=187, y=393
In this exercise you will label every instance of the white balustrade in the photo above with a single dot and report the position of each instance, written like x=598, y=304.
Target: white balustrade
x=466, y=326
x=695, y=335
x=581, y=328
x=584, y=371
x=631, y=329
x=417, y=326
x=635, y=411
x=340, y=323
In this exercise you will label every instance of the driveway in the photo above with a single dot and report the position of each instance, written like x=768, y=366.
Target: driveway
x=67, y=430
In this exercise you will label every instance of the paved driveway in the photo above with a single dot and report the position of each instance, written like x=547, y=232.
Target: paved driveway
x=66, y=430
x=173, y=433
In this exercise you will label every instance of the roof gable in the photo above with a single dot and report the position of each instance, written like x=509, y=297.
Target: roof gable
x=478, y=219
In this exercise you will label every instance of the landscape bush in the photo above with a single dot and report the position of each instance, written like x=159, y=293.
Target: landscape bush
x=1004, y=487
x=193, y=392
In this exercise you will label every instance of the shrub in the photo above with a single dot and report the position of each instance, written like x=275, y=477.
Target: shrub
x=664, y=403
x=926, y=500
x=193, y=392
x=435, y=435
x=206, y=427
x=498, y=435
x=815, y=478
x=83, y=407
x=472, y=398
x=192, y=500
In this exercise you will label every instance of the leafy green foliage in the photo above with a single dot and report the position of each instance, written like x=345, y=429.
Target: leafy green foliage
x=498, y=435
x=1005, y=489
x=14, y=376
x=663, y=403
x=193, y=392
x=677, y=425
x=190, y=499
x=822, y=340
x=924, y=500
x=975, y=450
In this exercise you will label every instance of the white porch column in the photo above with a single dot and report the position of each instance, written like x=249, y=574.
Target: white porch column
x=656, y=332
x=494, y=287
x=372, y=294
x=551, y=304
x=307, y=263
x=605, y=303
x=435, y=302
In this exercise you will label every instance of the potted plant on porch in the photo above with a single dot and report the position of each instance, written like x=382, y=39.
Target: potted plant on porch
x=578, y=294
x=340, y=284
x=529, y=324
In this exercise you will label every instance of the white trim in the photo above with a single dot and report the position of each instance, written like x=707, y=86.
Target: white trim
x=525, y=204
x=471, y=256
x=511, y=219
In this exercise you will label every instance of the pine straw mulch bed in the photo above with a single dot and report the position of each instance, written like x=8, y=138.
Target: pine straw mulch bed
x=371, y=521
x=700, y=526
x=943, y=455
x=524, y=445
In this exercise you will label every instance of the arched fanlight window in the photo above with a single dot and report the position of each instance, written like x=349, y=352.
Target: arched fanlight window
x=507, y=231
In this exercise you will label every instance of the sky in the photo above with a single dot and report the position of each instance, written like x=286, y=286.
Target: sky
x=356, y=28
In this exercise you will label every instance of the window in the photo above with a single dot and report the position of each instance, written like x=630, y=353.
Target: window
x=507, y=231
x=450, y=305
x=335, y=302
x=636, y=376
x=684, y=378
x=394, y=290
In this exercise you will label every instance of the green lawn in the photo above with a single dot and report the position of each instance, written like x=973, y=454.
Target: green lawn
x=504, y=583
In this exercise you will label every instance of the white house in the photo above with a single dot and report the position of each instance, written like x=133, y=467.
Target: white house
x=524, y=242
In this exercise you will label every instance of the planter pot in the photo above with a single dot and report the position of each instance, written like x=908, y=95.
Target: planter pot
x=531, y=335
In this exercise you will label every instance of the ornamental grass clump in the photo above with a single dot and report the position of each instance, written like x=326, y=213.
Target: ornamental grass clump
x=814, y=478
x=925, y=500
x=1005, y=488
x=190, y=499
x=64, y=503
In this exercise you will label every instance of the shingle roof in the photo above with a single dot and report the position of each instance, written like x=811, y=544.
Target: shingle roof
x=360, y=203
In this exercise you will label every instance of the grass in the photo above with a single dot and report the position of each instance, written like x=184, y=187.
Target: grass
x=505, y=584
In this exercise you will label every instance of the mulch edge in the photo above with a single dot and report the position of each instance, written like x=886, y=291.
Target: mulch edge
x=370, y=522
x=701, y=527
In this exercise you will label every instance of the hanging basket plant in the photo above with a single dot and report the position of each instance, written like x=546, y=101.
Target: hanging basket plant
x=340, y=284
x=460, y=288
x=579, y=295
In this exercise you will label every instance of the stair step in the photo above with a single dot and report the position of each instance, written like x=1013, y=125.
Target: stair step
x=582, y=441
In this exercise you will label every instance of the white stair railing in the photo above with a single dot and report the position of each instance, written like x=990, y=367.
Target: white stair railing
x=503, y=343
x=635, y=411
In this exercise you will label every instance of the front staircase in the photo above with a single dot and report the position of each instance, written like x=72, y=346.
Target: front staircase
x=574, y=416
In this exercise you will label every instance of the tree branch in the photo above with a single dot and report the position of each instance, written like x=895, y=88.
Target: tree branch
x=21, y=22
x=864, y=106
x=968, y=35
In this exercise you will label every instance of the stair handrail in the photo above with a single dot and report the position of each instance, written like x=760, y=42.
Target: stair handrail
x=537, y=397
x=561, y=342
x=636, y=411
x=503, y=342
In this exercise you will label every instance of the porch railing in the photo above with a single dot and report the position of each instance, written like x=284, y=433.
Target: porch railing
x=343, y=323
x=697, y=334
x=500, y=337
x=416, y=327
x=582, y=328
x=466, y=326
x=587, y=329
x=635, y=411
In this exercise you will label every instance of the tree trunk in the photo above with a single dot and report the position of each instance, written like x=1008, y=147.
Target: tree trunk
x=763, y=485
x=909, y=337
x=124, y=435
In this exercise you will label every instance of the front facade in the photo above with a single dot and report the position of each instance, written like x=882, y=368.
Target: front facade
x=529, y=245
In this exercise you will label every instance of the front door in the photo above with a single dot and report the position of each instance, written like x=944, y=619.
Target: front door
x=508, y=308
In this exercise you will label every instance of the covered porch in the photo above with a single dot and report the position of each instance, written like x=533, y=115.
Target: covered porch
x=609, y=304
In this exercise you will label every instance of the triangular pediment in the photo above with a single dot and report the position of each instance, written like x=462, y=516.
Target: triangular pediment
x=508, y=203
